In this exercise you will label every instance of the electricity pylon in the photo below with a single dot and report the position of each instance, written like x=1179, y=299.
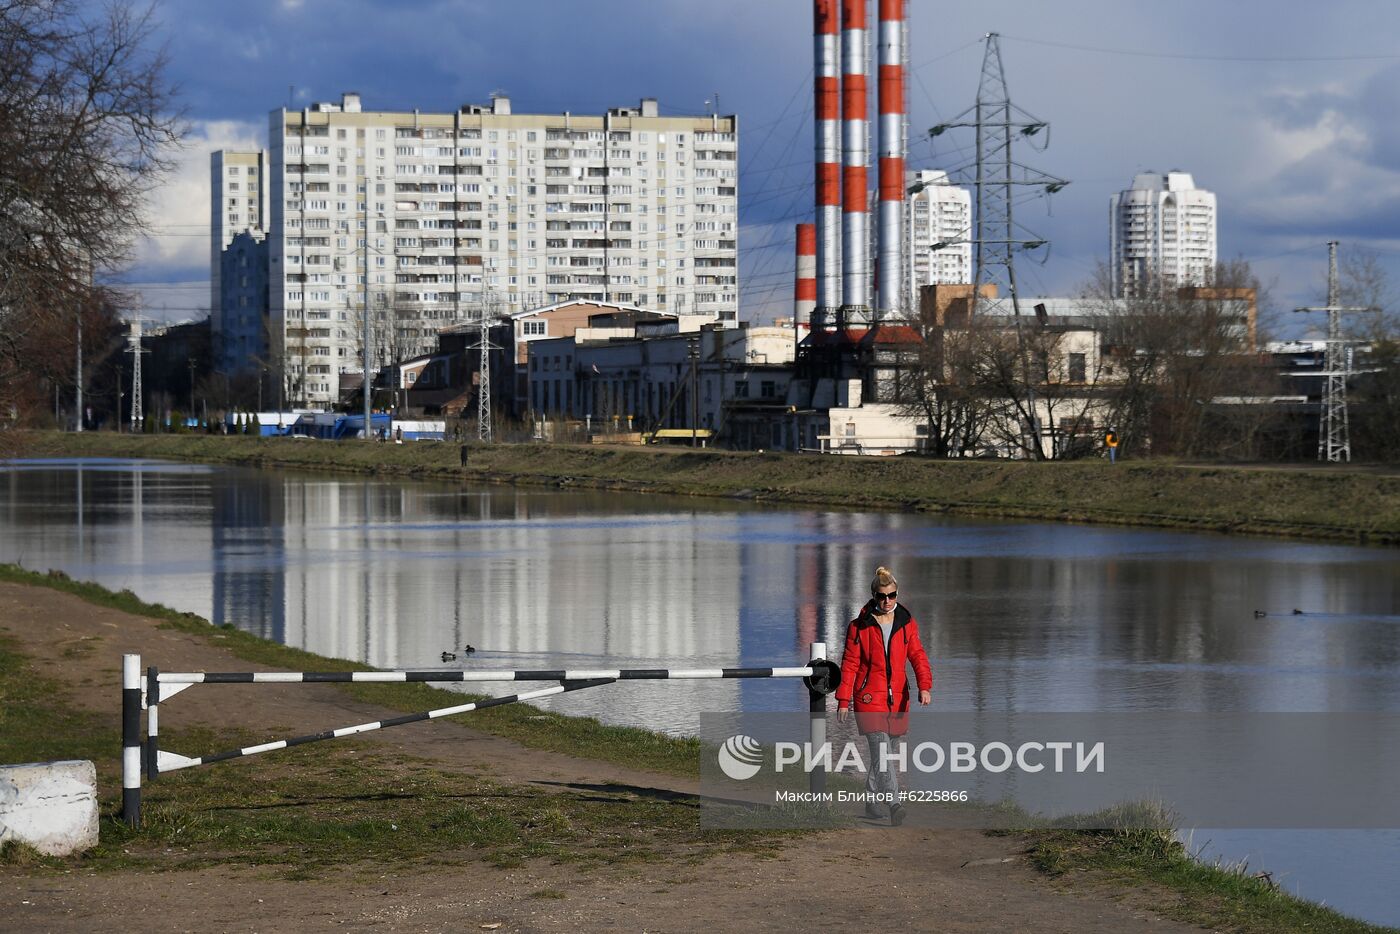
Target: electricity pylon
x=133, y=347
x=995, y=176
x=1334, y=426
x=483, y=390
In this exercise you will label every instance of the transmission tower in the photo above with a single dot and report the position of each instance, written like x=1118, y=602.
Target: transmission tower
x=483, y=391
x=133, y=347
x=1334, y=427
x=995, y=176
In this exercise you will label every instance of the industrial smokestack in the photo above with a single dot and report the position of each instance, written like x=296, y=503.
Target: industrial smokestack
x=893, y=106
x=855, y=245
x=805, y=293
x=828, y=160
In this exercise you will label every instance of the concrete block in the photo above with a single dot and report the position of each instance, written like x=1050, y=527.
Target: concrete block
x=52, y=806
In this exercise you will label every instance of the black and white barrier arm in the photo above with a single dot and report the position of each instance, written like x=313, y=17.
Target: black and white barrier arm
x=170, y=762
x=820, y=676
x=541, y=674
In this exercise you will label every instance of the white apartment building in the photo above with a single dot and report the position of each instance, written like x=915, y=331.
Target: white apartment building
x=937, y=212
x=437, y=218
x=1162, y=227
x=237, y=203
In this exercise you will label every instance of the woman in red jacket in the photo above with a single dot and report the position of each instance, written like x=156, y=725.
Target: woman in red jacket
x=881, y=642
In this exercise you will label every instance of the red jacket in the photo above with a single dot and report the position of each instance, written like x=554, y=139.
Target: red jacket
x=879, y=685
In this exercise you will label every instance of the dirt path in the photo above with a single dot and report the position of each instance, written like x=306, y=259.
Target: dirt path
x=871, y=878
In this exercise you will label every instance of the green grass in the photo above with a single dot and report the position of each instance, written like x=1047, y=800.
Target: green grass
x=1338, y=504
x=348, y=809
x=1222, y=898
x=33, y=728
x=625, y=746
x=345, y=806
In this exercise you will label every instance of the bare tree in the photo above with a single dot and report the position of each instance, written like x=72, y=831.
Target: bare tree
x=1174, y=353
x=937, y=384
x=1375, y=393
x=86, y=125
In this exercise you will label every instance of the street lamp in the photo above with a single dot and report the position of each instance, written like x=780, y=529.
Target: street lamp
x=365, y=335
x=366, y=387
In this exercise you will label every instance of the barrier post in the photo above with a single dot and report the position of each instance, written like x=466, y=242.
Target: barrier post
x=816, y=779
x=152, y=722
x=131, y=740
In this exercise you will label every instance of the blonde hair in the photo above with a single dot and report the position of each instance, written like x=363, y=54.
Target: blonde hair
x=883, y=578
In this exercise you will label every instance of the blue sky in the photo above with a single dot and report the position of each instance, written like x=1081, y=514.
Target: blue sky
x=1285, y=112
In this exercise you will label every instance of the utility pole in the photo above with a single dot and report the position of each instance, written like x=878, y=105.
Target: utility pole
x=995, y=176
x=78, y=394
x=366, y=388
x=694, y=398
x=191, y=366
x=484, y=346
x=1334, y=427
x=78, y=384
x=134, y=348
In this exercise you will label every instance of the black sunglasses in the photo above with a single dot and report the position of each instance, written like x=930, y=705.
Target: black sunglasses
x=886, y=596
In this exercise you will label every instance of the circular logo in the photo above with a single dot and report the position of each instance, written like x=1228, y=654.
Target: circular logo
x=740, y=757
x=866, y=698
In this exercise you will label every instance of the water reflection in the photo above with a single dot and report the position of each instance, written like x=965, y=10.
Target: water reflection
x=1015, y=615
x=1025, y=616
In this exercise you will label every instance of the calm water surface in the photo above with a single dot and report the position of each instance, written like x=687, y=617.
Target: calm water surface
x=1035, y=617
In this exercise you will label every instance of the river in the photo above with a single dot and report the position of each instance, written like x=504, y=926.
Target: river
x=1021, y=616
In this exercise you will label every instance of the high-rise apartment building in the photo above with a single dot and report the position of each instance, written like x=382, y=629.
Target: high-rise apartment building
x=1162, y=228
x=937, y=212
x=237, y=203
x=438, y=218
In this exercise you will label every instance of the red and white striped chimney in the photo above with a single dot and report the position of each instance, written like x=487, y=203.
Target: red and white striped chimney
x=804, y=299
x=855, y=243
x=827, y=87
x=893, y=106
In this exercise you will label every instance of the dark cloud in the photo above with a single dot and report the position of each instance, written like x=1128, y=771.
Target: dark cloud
x=1091, y=67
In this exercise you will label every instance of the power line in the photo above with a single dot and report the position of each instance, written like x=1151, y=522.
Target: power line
x=1192, y=56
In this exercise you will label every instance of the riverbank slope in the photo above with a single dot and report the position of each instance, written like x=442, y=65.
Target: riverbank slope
x=484, y=822
x=1349, y=504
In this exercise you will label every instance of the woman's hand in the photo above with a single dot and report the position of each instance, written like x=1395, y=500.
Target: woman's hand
x=925, y=697
x=843, y=714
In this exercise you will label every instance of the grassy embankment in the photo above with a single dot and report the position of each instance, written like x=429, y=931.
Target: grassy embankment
x=348, y=805
x=303, y=816
x=1328, y=504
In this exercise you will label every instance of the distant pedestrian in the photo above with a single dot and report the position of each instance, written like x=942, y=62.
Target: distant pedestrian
x=881, y=642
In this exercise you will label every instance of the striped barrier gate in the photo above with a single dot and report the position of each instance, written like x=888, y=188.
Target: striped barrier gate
x=820, y=676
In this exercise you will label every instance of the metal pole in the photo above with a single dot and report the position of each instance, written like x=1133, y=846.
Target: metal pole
x=1329, y=448
x=152, y=722
x=78, y=395
x=694, y=402
x=365, y=387
x=817, y=737
x=131, y=740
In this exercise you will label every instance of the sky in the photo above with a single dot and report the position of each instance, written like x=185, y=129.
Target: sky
x=1283, y=109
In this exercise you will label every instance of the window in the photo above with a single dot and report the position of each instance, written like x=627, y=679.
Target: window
x=533, y=328
x=1077, y=368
